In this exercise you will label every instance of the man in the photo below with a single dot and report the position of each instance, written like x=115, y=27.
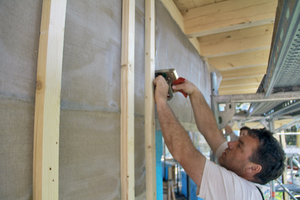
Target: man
x=256, y=157
x=233, y=137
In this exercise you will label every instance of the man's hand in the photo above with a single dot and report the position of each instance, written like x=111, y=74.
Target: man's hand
x=161, y=90
x=187, y=87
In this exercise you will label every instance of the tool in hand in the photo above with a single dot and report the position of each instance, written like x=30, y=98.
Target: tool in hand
x=171, y=77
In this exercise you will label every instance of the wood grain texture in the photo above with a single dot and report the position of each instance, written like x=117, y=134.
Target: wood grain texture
x=127, y=101
x=227, y=16
x=150, y=151
x=47, y=102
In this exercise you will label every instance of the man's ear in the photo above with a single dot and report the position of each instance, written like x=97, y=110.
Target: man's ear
x=253, y=168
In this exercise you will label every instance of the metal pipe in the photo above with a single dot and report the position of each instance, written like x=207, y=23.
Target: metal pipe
x=286, y=189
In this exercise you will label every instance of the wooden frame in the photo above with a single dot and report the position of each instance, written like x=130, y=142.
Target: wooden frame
x=149, y=99
x=47, y=102
x=127, y=100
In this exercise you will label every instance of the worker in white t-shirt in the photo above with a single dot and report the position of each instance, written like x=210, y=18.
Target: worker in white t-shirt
x=255, y=158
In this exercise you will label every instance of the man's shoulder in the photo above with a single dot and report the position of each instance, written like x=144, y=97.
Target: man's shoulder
x=228, y=183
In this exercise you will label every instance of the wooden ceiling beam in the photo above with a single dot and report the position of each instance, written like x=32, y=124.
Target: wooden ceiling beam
x=239, y=41
x=241, y=82
x=240, y=87
x=176, y=15
x=247, y=59
x=228, y=16
x=238, y=91
x=243, y=73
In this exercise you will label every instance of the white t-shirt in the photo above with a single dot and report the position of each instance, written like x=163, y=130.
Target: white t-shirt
x=220, y=183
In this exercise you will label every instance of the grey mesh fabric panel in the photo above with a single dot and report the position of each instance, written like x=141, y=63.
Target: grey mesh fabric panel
x=174, y=50
x=139, y=93
x=89, y=158
x=90, y=101
x=19, y=36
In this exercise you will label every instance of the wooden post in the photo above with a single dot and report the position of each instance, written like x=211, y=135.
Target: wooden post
x=47, y=101
x=149, y=99
x=127, y=100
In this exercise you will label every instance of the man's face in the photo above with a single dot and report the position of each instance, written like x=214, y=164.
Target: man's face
x=243, y=132
x=236, y=157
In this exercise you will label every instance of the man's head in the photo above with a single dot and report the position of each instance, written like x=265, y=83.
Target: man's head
x=256, y=157
x=269, y=155
x=244, y=130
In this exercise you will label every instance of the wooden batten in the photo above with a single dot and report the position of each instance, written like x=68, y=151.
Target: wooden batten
x=127, y=100
x=47, y=101
x=149, y=100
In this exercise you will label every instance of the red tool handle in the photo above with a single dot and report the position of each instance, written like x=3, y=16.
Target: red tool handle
x=179, y=81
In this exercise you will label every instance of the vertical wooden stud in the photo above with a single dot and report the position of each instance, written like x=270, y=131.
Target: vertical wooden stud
x=127, y=100
x=47, y=101
x=149, y=99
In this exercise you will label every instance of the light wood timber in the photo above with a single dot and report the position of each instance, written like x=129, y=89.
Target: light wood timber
x=188, y=4
x=195, y=43
x=228, y=16
x=174, y=12
x=243, y=73
x=184, y=4
x=47, y=101
x=127, y=100
x=247, y=59
x=238, y=91
x=249, y=39
x=150, y=150
x=241, y=82
x=176, y=15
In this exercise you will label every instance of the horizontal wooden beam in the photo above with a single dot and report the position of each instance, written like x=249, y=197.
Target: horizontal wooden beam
x=247, y=59
x=176, y=15
x=240, y=88
x=188, y=4
x=174, y=12
x=195, y=43
x=245, y=40
x=241, y=81
x=243, y=73
x=237, y=91
x=228, y=16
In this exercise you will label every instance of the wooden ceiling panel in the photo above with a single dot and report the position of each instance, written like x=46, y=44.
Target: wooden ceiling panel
x=247, y=59
x=234, y=36
x=188, y=4
x=255, y=38
x=227, y=16
x=184, y=4
x=243, y=73
x=239, y=90
x=241, y=81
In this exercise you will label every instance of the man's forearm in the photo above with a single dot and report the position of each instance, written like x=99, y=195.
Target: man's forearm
x=174, y=134
x=179, y=143
x=206, y=121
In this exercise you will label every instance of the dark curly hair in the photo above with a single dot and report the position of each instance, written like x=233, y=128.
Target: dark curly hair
x=269, y=155
x=245, y=128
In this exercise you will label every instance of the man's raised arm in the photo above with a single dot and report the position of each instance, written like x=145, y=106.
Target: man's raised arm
x=204, y=117
x=175, y=136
